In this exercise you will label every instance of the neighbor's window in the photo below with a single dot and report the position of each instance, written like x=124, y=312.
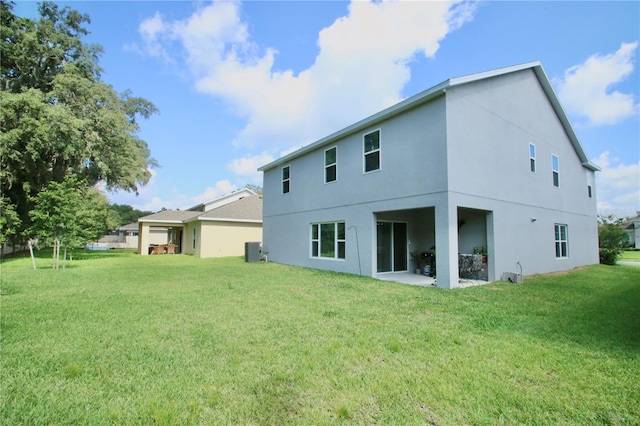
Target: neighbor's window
x=589, y=191
x=328, y=240
x=562, y=241
x=532, y=158
x=193, y=241
x=286, y=182
x=372, y=151
x=331, y=165
x=556, y=170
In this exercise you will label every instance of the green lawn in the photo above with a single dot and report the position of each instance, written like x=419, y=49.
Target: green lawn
x=630, y=256
x=118, y=338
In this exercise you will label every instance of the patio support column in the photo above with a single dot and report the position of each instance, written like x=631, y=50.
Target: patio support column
x=491, y=260
x=143, y=238
x=446, y=245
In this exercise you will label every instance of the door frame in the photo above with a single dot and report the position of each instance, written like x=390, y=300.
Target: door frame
x=392, y=249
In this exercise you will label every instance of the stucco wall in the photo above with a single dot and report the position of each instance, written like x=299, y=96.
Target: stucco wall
x=439, y=161
x=220, y=239
x=413, y=168
x=490, y=125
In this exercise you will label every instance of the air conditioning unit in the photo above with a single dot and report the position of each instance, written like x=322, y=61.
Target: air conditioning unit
x=512, y=277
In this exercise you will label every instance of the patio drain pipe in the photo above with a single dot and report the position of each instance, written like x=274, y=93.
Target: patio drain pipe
x=357, y=247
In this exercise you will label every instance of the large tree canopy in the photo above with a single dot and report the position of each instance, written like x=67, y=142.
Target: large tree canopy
x=58, y=119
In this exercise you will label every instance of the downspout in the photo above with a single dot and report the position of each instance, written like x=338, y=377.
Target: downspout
x=357, y=248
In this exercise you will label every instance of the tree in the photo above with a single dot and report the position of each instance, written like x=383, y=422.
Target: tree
x=255, y=188
x=611, y=239
x=127, y=214
x=68, y=214
x=58, y=119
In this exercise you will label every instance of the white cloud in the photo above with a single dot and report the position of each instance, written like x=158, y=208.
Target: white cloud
x=149, y=200
x=221, y=188
x=361, y=67
x=618, y=186
x=586, y=89
x=248, y=167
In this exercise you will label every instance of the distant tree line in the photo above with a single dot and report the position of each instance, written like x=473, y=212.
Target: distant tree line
x=62, y=132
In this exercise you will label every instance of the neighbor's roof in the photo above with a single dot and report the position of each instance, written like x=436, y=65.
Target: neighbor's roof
x=439, y=90
x=247, y=209
x=169, y=216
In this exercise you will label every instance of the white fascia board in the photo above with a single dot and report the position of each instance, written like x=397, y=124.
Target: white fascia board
x=217, y=219
x=160, y=221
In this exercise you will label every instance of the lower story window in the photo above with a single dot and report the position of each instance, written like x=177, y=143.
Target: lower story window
x=328, y=240
x=562, y=241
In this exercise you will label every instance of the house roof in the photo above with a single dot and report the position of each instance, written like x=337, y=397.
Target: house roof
x=128, y=227
x=246, y=209
x=225, y=199
x=439, y=90
x=170, y=216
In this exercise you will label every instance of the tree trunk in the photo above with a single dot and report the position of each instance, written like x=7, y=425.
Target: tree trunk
x=33, y=259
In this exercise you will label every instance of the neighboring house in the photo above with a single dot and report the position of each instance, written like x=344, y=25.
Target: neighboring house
x=633, y=230
x=215, y=229
x=123, y=237
x=486, y=160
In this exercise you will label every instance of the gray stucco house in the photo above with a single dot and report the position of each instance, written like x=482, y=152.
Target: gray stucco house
x=485, y=160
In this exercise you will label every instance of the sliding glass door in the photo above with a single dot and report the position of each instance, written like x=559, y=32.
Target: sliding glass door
x=392, y=246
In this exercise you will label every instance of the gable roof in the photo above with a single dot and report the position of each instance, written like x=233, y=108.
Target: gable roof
x=221, y=201
x=169, y=216
x=246, y=209
x=439, y=90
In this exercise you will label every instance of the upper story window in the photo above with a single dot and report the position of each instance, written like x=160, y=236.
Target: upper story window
x=555, y=162
x=532, y=158
x=331, y=165
x=286, y=180
x=372, y=151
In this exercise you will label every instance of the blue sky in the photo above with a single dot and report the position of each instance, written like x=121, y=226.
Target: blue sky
x=239, y=84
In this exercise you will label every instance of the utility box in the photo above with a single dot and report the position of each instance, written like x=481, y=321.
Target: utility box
x=252, y=252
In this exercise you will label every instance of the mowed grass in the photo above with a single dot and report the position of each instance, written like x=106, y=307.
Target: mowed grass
x=630, y=256
x=118, y=338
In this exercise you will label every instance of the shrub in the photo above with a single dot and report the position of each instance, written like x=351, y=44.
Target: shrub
x=609, y=256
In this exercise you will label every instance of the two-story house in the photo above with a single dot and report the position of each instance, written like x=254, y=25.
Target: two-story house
x=485, y=160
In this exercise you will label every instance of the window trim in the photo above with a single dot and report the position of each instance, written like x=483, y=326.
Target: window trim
x=555, y=171
x=378, y=150
x=532, y=158
x=559, y=242
x=287, y=180
x=336, y=241
x=334, y=164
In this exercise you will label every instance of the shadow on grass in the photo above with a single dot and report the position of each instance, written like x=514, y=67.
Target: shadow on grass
x=76, y=254
x=603, y=314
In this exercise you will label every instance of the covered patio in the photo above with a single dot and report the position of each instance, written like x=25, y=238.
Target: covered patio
x=407, y=246
x=425, y=281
